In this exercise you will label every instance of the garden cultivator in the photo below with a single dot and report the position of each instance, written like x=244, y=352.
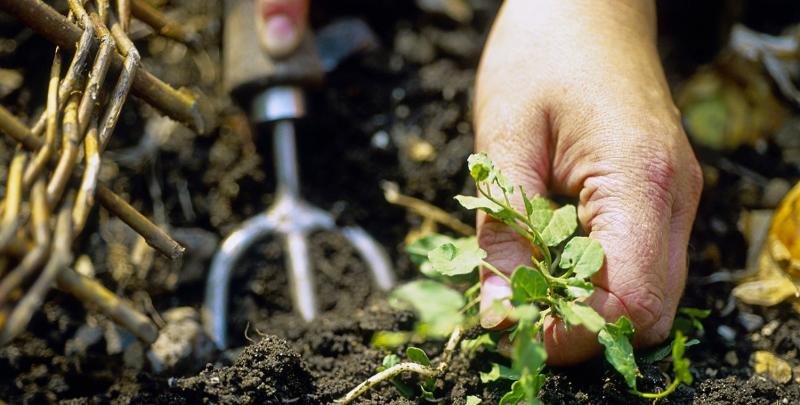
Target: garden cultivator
x=274, y=91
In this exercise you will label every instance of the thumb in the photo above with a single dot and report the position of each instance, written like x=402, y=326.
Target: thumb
x=519, y=149
x=281, y=24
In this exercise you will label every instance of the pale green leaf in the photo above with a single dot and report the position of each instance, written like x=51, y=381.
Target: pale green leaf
x=560, y=226
x=499, y=372
x=473, y=400
x=578, y=313
x=619, y=352
x=480, y=166
x=480, y=202
x=418, y=250
x=515, y=396
x=437, y=306
x=452, y=260
x=532, y=383
x=680, y=364
x=390, y=340
x=391, y=360
x=540, y=213
x=584, y=255
x=578, y=288
x=417, y=355
x=528, y=284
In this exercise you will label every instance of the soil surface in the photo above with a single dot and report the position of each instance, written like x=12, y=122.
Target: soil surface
x=399, y=113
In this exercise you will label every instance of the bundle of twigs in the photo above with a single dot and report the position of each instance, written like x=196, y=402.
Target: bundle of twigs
x=52, y=180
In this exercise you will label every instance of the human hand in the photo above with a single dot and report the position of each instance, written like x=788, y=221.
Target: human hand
x=571, y=98
x=281, y=24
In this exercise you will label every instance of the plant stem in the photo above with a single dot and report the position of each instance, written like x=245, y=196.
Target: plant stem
x=495, y=271
x=662, y=394
x=425, y=371
x=531, y=234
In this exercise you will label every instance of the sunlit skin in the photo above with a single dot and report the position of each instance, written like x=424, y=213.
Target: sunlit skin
x=571, y=100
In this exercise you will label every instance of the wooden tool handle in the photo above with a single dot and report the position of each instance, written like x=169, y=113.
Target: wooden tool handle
x=248, y=69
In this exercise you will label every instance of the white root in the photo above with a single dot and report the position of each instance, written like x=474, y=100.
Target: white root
x=389, y=373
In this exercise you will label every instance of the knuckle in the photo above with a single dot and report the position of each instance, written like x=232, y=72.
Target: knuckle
x=644, y=305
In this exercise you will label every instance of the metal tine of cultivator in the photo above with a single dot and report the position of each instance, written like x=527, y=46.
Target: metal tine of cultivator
x=290, y=217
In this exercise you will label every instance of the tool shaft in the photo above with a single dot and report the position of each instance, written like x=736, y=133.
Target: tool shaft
x=285, y=154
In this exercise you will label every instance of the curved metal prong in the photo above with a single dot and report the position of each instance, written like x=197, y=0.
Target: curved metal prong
x=373, y=254
x=215, y=307
x=300, y=272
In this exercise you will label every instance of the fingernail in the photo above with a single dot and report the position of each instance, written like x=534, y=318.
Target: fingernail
x=280, y=35
x=494, y=290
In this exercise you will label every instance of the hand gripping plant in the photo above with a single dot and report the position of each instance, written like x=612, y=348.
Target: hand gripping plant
x=554, y=285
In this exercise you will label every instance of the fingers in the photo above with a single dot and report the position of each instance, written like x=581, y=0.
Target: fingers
x=281, y=24
x=639, y=203
x=508, y=139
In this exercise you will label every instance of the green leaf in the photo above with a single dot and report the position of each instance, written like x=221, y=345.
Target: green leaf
x=470, y=345
x=528, y=355
x=560, y=226
x=418, y=356
x=390, y=340
x=526, y=314
x=480, y=202
x=390, y=361
x=515, y=396
x=437, y=306
x=540, y=213
x=418, y=250
x=619, y=352
x=661, y=352
x=584, y=255
x=695, y=316
x=532, y=383
x=528, y=284
x=473, y=400
x=680, y=365
x=453, y=260
x=578, y=288
x=480, y=166
x=578, y=313
x=695, y=312
x=499, y=372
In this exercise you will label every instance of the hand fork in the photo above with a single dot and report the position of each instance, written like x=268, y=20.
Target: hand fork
x=290, y=216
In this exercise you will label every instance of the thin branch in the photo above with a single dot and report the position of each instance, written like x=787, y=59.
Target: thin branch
x=43, y=155
x=191, y=108
x=93, y=294
x=60, y=258
x=13, y=201
x=162, y=24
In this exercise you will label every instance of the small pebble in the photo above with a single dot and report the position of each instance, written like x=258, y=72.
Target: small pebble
x=732, y=358
x=727, y=334
x=770, y=327
x=774, y=192
x=380, y=140
x=749, y=321
x=181, y=344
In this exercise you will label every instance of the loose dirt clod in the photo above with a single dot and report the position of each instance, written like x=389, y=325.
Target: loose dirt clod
x=268, y=372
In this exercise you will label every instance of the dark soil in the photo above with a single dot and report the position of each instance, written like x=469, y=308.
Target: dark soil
x=362, y=128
